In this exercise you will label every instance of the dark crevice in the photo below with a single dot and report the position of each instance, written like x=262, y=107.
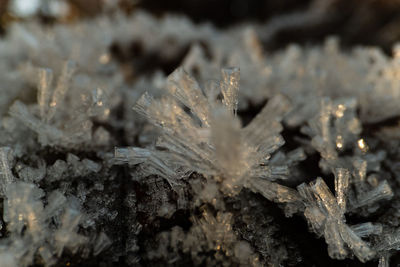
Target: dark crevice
x=248, y=114
x=125, y=184
x=138, y=61
x=223, y=13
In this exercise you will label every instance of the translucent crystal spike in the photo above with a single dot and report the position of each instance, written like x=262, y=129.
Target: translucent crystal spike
x=367, y=229
x=61, y=88
x=143, y=104
x=323, y=139
x=188, y=92
x=360, y=248
x=230, y=88
x=166, y=114
x=316, y=219
x=313, y=213
x=266, y=146
x=336, y=246
x=44, y=91
x=263, y=131
x=295, y=156
x=325, y=198
x=307, y=194
x=273, y=191
x=132, y=155
x=342, y=178
x=185, y=149
x=6, y=176
x=382, y=191
x=361, y=170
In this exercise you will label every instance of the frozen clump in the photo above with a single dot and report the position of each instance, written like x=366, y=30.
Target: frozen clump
x=56, y=171
x=31, y=174
x=216, y=234
x=211, y=239
x=325, y=213
x=64, y=113
x=208, y=138
x=22, y=200
x=82, y=167
x=34, y=228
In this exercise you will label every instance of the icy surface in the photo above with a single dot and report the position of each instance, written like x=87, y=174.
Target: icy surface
x=214, y=161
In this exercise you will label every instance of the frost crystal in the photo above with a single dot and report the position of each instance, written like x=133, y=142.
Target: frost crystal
x=5, y=171
x=326, y=217
x=55, y=123
x=325, y=214
x=208, y=139
x=31, y=227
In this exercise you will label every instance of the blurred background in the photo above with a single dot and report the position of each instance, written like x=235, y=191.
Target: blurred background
x=366, y=22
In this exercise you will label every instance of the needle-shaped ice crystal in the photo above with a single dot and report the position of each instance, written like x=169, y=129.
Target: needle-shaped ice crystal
x=6, y=176
x=325, y=214
x=65, y=110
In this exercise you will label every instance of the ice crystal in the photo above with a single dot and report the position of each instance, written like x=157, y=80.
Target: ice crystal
x=247, y=53
x=31, y=228
x=327, y=219
x=56, y=124
x=334, y=129
x=325, y=214
x=209, y=139
x=5, y=171
x=211, y=234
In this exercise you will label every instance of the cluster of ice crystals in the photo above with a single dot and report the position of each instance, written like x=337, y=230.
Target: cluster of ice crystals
x=35, y=229
x=216, y=233
x=335, y=128
x=326, y=217
x=325, y=214
x=208, y=233
x=55, y=123
x=39, y=225
x=208, y=138
x=366, y=74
